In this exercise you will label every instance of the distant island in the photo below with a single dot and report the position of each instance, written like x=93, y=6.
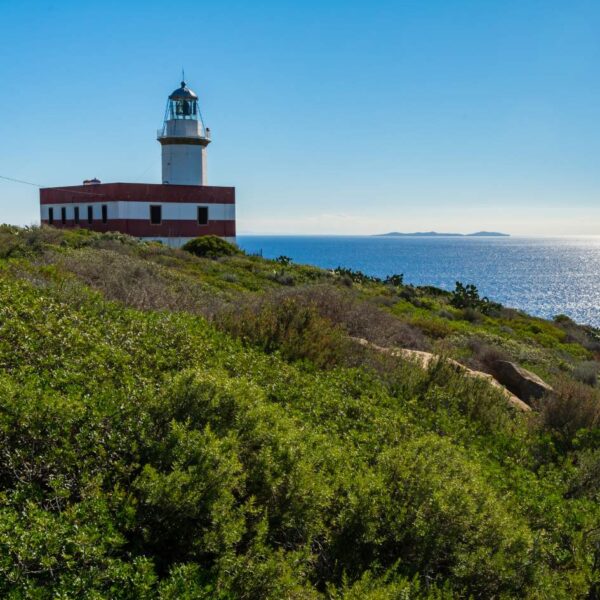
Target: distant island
x=437, y=234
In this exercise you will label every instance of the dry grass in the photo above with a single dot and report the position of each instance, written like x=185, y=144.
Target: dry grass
x=572, y=407
x=585, y=335
x=317, y=323
x=587, y=372
x=484, y=355
x=136, y=282
x=285, y=325
x=358, y=318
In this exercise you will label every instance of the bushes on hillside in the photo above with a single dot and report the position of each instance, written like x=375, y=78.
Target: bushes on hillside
x=587, y=372
x=357, y=276
x=138, y=283
x=211, y=246
x=485, y=355
x=28, y=241
x=360, y=318
x=588, y=337
x=314, y=323
x=571, y=408
x=395, y=280
x=148, y=454
x=284, y=260
x=438, y=509
x=294, y=329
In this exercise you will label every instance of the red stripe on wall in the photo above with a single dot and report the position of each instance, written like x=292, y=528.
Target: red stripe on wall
x=142, y=228
x=138, y=192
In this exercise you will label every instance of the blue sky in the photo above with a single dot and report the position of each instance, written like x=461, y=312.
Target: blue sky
x=328, y=117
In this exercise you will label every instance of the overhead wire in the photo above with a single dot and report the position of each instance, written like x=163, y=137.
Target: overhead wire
x=37, y=185
x=20, y=181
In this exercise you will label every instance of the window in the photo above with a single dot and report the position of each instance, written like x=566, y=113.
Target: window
x=50, y=216
x=90, y=214
x=76, y=214
x=104, y=213
x=63, y=214
x=203, y=215
x=155, y=214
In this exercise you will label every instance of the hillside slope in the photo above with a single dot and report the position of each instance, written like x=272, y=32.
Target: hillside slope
x=180, y=427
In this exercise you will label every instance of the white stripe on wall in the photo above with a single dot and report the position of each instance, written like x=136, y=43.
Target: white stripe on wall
x=177, y=242
x=176, y=211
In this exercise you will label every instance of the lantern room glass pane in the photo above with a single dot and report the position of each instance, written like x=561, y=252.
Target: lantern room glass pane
x=183, y=109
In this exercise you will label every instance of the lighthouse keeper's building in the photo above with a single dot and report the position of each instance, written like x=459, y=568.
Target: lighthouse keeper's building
x=172, y=214
x=179, y=209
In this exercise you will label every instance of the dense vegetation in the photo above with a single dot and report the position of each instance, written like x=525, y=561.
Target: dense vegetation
x=182, y=427
x=211, y=246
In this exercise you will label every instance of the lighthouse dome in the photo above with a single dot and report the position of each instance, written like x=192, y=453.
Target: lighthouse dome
x=183, y=93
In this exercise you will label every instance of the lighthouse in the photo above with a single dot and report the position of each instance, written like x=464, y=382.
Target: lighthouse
x=182, y=207
x=184, y=139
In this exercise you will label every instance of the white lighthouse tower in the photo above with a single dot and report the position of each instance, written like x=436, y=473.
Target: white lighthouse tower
x=184, y=139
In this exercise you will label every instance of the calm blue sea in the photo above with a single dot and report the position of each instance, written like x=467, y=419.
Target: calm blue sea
x=543, y=276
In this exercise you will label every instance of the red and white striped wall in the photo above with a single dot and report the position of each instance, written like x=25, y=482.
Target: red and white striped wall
x=172, y=214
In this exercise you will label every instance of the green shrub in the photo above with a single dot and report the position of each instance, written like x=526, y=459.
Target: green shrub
x=284, y=260
x=438, y=508
x=433, y=291
x=471, y=314
x=436, y=327
x=485, y=355
x=282, y=277
x=136, y=282
x=211, y=246
x=355, y=276
x=571, y=408
x=467, y=297
x=396, y=280
x=297, y=331
x=588, y=337
x=335, y=309
x=587, y=372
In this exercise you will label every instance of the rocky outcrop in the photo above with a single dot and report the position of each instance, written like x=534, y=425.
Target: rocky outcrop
x=525, y=384
x=426, y=359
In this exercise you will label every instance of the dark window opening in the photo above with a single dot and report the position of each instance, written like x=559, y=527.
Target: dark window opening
x=155, y=214
x=50, y=216
x=203, y=215
x=76, y=214
x=90, y=214
x=63, y=214
x=104, y=213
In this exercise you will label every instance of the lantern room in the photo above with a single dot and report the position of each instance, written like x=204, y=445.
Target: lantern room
x=182, y=103
x=183, y=117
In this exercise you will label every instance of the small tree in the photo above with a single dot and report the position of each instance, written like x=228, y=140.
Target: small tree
x=284, y=260
x=211, y=246
x=355, y=276
x=397, y=280
x=467, y=296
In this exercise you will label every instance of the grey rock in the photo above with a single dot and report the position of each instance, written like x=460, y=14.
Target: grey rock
x=521, y=382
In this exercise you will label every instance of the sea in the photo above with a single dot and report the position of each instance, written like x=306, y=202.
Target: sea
x=541, y=275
